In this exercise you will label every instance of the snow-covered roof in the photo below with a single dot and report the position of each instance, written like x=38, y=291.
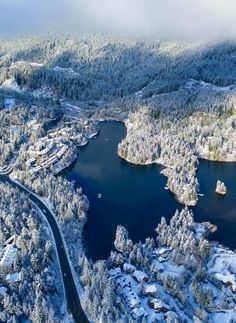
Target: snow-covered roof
x=10, y=240
x=140, y=276
x=149, y=289
x=158, y=265
x=223, y=266
x=163, y=250
x=139, y=312
x=115, y=272
x=129, y=267
x=8, y=256
x=10, y=84
x=227, y=279
x=131, y=297
x=16, y=277
x=123, y=281
x=163, y=258
x=158, y=303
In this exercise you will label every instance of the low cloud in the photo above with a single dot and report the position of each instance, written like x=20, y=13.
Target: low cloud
x=175, y=19
x=169, y=19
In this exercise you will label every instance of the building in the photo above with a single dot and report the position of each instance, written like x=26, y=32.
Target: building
x=31, y=162
x=140, y=276
x=150, y=290
x=10, y=240
x=138, y=313
x=158, y=305
x=123, y=281
x=131, y=297
x=7, y=257
x=128, y=268
x=115, y=272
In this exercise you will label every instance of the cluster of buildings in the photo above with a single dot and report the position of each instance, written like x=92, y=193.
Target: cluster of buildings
x=78, y=132
x=70, y=134
x=222, y=267
x=49, y=151
x=45, y=153
x=140, y=294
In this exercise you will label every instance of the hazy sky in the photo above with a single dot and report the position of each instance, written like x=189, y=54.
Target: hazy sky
x=175, y=19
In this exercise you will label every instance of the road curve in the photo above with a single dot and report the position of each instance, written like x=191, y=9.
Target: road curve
x=72, y=297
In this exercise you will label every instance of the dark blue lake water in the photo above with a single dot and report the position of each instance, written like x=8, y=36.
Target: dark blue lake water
x=134, y=196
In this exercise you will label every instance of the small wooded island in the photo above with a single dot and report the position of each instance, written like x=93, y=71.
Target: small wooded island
x=221, y=188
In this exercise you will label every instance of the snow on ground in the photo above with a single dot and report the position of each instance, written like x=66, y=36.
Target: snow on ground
x=223, y=267
x=10, y=84
x=73, y=107
x=9, y=103
x=223, y=262
x=173, y=270
x=43, y=92
x=194, y=84
x=224, y=317
x=15, y=277
x=141, y=297
x=65, y=70
x=23, y=63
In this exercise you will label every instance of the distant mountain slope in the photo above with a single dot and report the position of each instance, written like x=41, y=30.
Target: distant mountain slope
x=96, y=67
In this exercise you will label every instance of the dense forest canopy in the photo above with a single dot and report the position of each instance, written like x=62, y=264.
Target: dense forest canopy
x=94, y=67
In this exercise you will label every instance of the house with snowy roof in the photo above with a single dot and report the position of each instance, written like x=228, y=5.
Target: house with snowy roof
x=7, y=257
x=115, y=272
x=123, y=281
x=158, y=305
x=149, y=289
x=10, y=240
x=227, y=279
x=139, y=313
x=128, y=268
x=131, y=297
x=157, y=266
x=140, y=276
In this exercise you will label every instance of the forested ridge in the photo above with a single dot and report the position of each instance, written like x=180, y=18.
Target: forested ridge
x=178, y=102
x=94, y=67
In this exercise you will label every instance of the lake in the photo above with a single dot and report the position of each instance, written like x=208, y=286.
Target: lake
x=134, y=196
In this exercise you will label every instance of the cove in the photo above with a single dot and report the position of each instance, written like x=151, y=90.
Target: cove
x=134, y=196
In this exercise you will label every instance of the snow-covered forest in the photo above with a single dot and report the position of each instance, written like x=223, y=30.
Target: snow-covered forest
x=30, y=287
x=178, y=102
x=179, y=277
x=97, y=67
x=177, y=137
x=189, y=90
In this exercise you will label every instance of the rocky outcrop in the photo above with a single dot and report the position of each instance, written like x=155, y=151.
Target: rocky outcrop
x=221, y=188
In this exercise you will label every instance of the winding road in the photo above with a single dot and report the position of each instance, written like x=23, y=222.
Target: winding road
x=71, y=293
